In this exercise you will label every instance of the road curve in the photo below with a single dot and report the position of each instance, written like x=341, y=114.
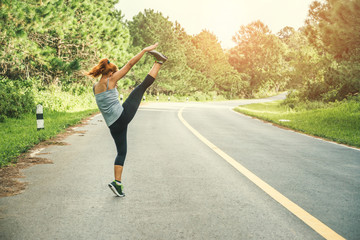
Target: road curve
x=178, y=188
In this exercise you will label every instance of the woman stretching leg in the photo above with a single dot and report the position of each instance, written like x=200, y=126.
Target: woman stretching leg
x=118, y=117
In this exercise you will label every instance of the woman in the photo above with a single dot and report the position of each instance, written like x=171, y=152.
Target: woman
x=118, y=117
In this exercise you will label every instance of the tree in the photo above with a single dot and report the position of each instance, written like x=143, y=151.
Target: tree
x=285, y=33
x=259, y=54
x=335, y=26
x=147, y=28
x=196, y=63
x=212, y=62
x=51, y=39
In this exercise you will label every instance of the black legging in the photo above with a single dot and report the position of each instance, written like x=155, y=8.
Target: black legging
x=118, y=129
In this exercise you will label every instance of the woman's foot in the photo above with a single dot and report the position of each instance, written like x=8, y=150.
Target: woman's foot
x=161, y=58
x=117, y=188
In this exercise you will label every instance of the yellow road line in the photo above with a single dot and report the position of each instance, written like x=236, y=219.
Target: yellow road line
x=311, y=221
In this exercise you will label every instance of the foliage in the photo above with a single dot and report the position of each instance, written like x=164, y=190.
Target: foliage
x=19, y=97
x=215, y=66
x=196, y=63
x=50, y=39
x=321, y=60
x=333, y=29
x=16, y=98
x=334, y=25
x=76, y=98
x=259, y=54
x=144, y=32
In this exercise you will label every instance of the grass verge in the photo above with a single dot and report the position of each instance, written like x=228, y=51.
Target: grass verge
x=19, y=135
x=338, y=122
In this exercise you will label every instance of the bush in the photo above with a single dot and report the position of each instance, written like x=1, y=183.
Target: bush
x=291, y=99
x=16, y=98
x=199, y=96
x=295, y=102
x=76, y=98
x=341, y=80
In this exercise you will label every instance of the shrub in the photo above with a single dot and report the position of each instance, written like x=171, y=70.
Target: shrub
x=16, y=98
x=76, y=98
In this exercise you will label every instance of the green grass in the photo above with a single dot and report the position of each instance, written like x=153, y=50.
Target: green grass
x=339, y=122
x=19, y=135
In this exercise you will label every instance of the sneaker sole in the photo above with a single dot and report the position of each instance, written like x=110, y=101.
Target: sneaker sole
x=159, y=56
x=114, y=190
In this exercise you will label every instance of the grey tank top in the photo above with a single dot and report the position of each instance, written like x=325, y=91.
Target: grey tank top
x=109, y=104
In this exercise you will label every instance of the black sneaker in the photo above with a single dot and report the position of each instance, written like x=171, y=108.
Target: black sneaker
x=161, y=58
x=117, y=189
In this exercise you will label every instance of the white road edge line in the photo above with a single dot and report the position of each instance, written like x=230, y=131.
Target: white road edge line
x=303, y=134
x=307, y=218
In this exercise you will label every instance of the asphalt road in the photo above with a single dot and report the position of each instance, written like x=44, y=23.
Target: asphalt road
x=178, y=188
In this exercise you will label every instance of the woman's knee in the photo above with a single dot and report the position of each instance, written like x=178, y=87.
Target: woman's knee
x=120, y=159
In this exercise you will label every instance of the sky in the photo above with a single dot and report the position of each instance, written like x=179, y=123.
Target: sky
x=223, y=17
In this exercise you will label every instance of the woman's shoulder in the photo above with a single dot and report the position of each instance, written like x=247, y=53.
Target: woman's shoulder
x=112, y=82
x=99, y=87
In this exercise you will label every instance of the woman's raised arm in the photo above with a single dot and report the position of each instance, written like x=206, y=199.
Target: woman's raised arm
x=124, y=70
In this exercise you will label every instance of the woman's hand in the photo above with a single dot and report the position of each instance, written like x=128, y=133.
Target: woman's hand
x=150, y=48
x=125, y=69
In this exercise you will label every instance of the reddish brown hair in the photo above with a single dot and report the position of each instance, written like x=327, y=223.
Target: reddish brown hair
x=104, y=67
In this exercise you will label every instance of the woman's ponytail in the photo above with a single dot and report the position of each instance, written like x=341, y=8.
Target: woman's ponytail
x=103, y=67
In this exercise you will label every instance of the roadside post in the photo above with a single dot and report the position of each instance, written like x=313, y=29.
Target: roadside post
x=39, y=117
